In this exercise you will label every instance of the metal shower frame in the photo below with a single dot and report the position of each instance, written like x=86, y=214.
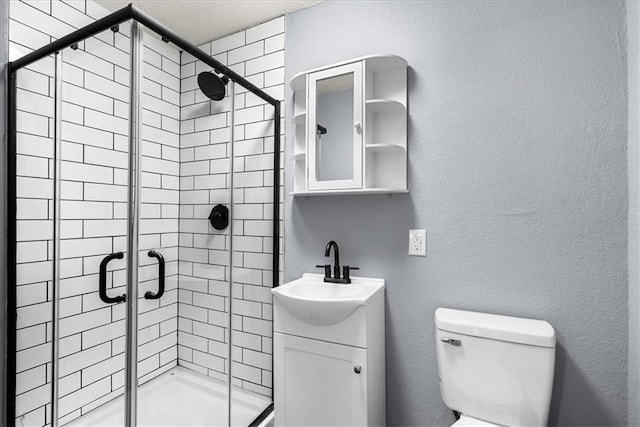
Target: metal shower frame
x=127, y=13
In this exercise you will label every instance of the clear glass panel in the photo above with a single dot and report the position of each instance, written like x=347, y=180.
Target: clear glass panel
x=334, y=128
x=159, y=395
x=34, y=232
x=93, y=230
x=183, y=335
x=251, y=305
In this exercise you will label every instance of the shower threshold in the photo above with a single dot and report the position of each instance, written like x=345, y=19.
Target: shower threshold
x=181, y=397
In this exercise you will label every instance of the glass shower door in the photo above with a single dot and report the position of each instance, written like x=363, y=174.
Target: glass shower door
x=252, y=243
x=157, y=311
x=91, y=209
x=182, y=334
x=34, y=239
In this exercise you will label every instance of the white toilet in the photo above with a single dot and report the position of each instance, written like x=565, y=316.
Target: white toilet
x=495, y=370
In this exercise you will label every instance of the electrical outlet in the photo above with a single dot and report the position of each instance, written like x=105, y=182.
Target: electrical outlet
x=418, y=242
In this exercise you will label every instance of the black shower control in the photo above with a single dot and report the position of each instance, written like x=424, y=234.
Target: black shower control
x=219, y=217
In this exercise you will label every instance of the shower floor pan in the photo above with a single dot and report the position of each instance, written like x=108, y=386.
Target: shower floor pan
x=181, y=397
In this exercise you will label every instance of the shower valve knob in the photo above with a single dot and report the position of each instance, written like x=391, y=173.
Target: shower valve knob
x=219, y=217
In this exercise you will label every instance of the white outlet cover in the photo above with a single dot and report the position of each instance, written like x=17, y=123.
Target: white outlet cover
x=418, y=242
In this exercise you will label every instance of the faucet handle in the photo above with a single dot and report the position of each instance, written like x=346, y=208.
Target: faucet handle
x=345, y=272
x=327, y=270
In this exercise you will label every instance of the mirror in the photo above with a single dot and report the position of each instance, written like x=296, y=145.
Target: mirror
x=334, y=128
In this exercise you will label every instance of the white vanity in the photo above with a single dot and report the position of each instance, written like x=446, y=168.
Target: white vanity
x=350, y=122
x=329, y=352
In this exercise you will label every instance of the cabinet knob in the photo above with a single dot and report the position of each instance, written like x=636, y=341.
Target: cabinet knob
x=358, y=126
x=357, y=369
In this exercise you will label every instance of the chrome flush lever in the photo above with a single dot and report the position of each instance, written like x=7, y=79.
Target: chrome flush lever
x=452, y=341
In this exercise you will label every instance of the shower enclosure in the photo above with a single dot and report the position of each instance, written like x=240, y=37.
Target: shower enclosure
x=128, y=306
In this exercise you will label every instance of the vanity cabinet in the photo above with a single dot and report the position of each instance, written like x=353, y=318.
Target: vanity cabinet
x=329, y=352
x=320, y=382
x=350, y=127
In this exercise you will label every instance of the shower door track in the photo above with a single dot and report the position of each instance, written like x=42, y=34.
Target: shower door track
x=122, y=15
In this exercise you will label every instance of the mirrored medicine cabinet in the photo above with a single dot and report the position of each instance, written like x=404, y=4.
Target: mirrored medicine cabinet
x=350, y=127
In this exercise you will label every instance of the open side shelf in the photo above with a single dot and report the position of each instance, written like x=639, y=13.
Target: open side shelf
x=383, y=105
x=385, y=167
x=300, y=118
x=383, y=147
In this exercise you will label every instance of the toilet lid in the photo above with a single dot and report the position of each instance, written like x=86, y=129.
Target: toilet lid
x=467, y=421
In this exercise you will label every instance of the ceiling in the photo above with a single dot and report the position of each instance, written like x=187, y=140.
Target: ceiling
x=201, y=21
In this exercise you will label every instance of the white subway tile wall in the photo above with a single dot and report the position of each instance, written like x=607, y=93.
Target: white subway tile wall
x=256, y=54
x=185, y=171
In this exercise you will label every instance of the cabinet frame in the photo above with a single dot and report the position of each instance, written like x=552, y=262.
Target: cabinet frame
x=383, y=129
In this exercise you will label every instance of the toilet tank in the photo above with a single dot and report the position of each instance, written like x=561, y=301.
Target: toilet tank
x=495, y=368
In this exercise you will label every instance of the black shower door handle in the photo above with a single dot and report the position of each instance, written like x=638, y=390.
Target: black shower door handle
x=149, y=294
x=102, y=286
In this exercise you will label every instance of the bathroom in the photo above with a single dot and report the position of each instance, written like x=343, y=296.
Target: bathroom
x=522, y=166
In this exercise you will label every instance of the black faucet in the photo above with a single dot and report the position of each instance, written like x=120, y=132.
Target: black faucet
x=336, y=257
x=336, y=267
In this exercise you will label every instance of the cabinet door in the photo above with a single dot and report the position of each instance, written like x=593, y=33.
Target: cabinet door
x=334, y=128
x=316, y=383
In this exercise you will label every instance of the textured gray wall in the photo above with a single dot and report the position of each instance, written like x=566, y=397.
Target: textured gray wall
x=633, y=75
x=4, y=57
x=517, y=169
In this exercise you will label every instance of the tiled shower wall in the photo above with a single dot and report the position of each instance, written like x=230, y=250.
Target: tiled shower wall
x=93, y=209
x=258, y=55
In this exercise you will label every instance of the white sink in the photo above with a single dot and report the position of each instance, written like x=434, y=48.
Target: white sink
x=316, y=302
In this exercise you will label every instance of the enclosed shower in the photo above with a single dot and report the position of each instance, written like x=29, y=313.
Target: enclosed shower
x=144, y=199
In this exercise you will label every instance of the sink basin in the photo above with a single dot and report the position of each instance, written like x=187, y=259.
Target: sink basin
x=313, y=301
x=320, y=291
